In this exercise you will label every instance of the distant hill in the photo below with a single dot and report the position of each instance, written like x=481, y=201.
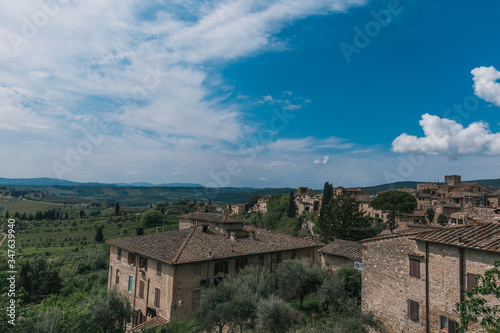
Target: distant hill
x=45, y=181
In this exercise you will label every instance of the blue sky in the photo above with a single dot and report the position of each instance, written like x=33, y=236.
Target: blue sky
x=250, y=93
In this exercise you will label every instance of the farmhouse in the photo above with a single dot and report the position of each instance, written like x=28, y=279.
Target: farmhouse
x=166, y=273
x=412, y=281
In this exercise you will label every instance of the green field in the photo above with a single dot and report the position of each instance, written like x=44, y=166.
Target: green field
x=25, y=206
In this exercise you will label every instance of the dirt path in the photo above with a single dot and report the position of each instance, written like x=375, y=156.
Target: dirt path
x=4, y=237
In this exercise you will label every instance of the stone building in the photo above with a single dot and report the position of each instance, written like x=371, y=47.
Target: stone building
x=307, y=200
x=165, y=274
x=340, y=253
x=412, y=281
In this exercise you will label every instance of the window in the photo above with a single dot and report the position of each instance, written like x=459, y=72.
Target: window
x=196, y=298
x=278, y=258
x=412, y=310
x=143, y=263
x=447, y=325
x=141, y=289
x=197, y=269
x=415, y=267
x=294, y=254
x=471, y=281
x=158, y=268
x=130, y=283
x=261, y=259
x=221, y=267
x=117, y=277
x=241, y=263
x=119, y=254
x=130, y=258
x=157, y=297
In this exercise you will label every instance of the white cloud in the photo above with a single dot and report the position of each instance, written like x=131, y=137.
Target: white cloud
x=325, y=160
x=486, y=85
x=447, y=137
x=309, y=144
x=92, y=62
x=262, y=179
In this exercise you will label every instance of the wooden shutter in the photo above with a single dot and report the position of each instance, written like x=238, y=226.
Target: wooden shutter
x=471, y=281
x=141, y=289
x=452, y=326
x=413, y=308
x=226, y=267
x=415, y=267
x=157, y=297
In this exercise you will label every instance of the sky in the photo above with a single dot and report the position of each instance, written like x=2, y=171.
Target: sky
x=250, y=93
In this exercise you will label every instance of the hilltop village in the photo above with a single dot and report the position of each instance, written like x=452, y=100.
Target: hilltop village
x=416, y=261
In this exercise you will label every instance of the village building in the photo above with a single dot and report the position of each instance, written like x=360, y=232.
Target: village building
x=340, y=253
x=307, y=200
x=165, y=274
x=413, y=280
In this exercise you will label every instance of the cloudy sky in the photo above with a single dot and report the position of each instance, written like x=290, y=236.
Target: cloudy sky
x=262, y=93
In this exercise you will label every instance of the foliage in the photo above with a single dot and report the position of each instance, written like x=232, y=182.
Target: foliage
x=39, y=279
x=299, y=277
x=151, y=218
x=235, y=301
x=117, y=208
x=99, y=237
x=253, y=200
x=338, y=287
x=216, y=308
x=276, y=208
x=394, y=203
x=291, y=210
x=274, y=315
x=429, y=213
x=343, y=219
x=475, y=308
x=442, y=219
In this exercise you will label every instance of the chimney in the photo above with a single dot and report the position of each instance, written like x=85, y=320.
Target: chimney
x=157, y=230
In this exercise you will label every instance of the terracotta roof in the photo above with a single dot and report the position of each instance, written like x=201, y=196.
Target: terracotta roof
x=484, y=237
x=210, y=217
x=192, y=245
x=153, y=322
x=343, y=248
x=409, y=229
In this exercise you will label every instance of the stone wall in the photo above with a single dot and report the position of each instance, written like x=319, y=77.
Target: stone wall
x=334, y=262
x=387, y=285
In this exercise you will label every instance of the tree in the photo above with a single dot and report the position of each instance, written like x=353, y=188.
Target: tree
x=253, y=200
x=99, y=237
x=442, y=219
x=7, y=215
x=117, y=208
x=150, y=218
x=430, y=214
x=274, y=315
x=475, y=308
x=394, y=203
x=292, y=207
x=216, y=309
x=345, y=220
x=82, y=214
x=325, y=212
x=299, y=277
